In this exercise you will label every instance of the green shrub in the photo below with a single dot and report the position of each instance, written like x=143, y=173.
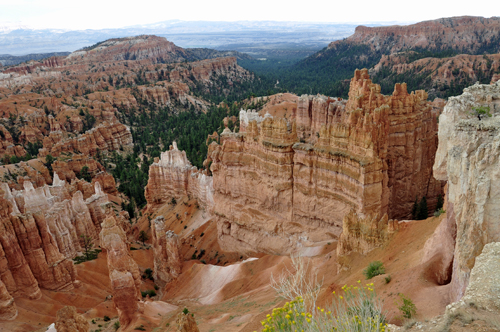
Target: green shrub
x=439, y=212
x=148, y=274
x=388, y=279
x=374, y=269
x=358, y=310
x=481, y=111
x=140, y=328
x=150, y=292
x=406, y=306
x=185, y=311
x=106, y=318
x=116, y=325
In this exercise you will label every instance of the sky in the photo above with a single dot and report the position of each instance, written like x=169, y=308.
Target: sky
x=100, y=14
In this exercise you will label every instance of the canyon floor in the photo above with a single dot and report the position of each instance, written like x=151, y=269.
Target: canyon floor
x=235, y=294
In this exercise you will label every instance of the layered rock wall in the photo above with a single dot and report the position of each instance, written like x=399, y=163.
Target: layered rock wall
x=373, y=155
x=468, y=158
x=105, y=138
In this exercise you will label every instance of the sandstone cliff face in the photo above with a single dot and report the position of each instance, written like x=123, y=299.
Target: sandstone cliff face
x=373, y=155
x=167, y=261
x=106, y=137
x=482, y=289
x=173, y=176
x=166, y=93
x=461, y=33
x=68, y=320
x=363, y=234
x=468, y=158
x=123, y=271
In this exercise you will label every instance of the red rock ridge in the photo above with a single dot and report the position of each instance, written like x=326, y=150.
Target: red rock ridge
x=455, y=32
x=106, y=138
x=442, y=70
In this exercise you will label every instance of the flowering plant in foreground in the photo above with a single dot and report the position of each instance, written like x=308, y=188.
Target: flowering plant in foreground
x=357, y=310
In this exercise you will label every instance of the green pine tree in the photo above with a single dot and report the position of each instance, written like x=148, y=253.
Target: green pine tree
x=423, y=213
x=415, y=209
x=440, y=202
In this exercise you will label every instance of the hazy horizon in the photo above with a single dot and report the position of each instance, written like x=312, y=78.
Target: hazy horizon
x=96, y=15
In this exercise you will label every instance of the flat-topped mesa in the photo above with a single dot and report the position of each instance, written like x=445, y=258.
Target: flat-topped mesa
x=468, y=157
x=372, y=154
x=167, y=262
x=123, y=271
x=173, y=176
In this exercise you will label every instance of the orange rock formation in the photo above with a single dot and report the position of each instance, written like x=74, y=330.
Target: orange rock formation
x=374, y=155
x=123, y=271
x=40, y=231
x=68, y=320
x=173, y=176
x=106, y=137
x=167, y=261
x=186, y=323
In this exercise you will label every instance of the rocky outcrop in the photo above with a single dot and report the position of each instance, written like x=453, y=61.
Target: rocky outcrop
x=105, y=138
x=69, y=168
x=173, y=176
x=167, y=261
x=468, y=158
x=373, y=155
x=68, y=320
x=482, y=289
x=362, y=235
x=40, y=232
x=186, y=323
x=166, y=93
x=8, y=309
x=123, y=271
x=107, y=182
